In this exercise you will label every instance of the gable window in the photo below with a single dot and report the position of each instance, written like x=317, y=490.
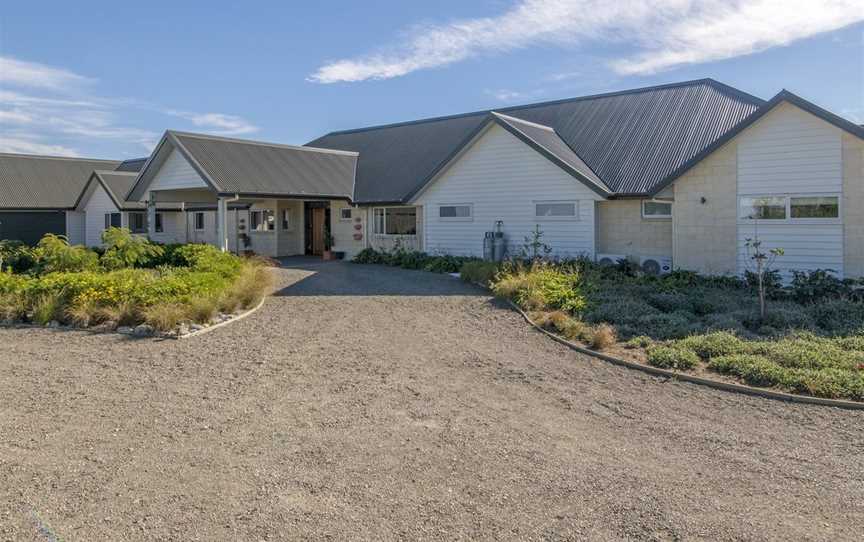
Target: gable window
x=656, y=209
x=286, y=219
x=199, y=221
x=112, y=220
x=394, y=221
x=555, y=209
x=799, y=209
x=262, y=220
x=137, y=222
x=345, y=213
x=462, y=211
x=158, y=223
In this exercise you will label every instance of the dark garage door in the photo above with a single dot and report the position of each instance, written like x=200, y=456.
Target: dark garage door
x=30, y=226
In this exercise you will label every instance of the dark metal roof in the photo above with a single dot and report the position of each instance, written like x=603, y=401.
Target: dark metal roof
x=631, y=140
x=118, y=184
x=45, y=182
x=236, y=166
x=134, y=165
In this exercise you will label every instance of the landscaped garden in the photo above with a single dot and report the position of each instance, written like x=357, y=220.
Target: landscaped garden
x=810, y=339
x=130, y=283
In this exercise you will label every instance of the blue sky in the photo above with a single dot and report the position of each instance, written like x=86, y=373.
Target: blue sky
x=105, y=79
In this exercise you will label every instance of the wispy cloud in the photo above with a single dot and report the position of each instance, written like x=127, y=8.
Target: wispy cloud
x=510, y=96
x=661, y=34
x=49, y=110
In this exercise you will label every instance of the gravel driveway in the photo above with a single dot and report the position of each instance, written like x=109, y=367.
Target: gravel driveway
x=374, y=403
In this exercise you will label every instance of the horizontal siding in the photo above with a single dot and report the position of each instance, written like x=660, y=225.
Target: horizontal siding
x=76, y=229
x=173, y=229
x=502, y=177
x=176, y=173
x=789, y=151
x=97, y=206
x=806, y=247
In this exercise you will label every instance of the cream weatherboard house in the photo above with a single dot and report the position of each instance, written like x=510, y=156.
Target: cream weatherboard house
x=671, y=176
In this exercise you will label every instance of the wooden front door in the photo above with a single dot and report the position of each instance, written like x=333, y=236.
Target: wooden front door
x=318, y=231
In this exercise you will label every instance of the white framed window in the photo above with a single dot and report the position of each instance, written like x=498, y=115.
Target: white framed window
x=158, y=223
x=112, y=220
x=138, y=222
x=456, y=212
x=286, y=219
x=345, y=213
x=652, y=209
x=394, y=221
x=556, y=210
x=805, y=208
x=199, y=221
x=262, y=220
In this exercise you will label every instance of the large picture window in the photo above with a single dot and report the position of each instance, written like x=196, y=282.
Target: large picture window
x=263, y=220
x=789, y=208
x=394, y=221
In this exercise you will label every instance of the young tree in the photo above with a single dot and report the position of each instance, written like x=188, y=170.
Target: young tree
x=760, y=262
x=534, y=248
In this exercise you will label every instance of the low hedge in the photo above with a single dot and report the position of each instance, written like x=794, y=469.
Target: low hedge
x=412, y=259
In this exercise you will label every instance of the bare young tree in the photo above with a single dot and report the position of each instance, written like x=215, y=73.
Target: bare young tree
x=760, y=262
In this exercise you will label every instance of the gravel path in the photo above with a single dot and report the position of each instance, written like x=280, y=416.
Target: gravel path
x=376, y=403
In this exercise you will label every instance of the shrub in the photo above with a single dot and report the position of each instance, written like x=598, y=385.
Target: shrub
x=669, y=357
x=786, y=316
x=665, y=326
x=642, y=341
x=713, y=345
x=201, y=309
x=753, y=369
x=478, y=272
x=603, y=337
x=620, y=310
x=253, y=283
x=81, y=314
x=818, y=285
x=12, y=307
x=47, y=307
x=368, y=255
x=165, y=316
x=543, y=286
x=16, y=256
x=670, y=302
x=122, y=249
x=838, y=317
x=54, y=254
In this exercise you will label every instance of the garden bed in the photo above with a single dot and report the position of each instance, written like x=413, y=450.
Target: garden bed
x=131, y=286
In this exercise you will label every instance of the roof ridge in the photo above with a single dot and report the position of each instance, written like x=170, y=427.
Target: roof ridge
x=663, y=86
x=50, y=157
x=177, y=133
x=115, y=172
x=523, y=121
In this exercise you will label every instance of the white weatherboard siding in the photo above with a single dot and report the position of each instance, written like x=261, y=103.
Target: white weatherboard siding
x=792, y=152
x=176, y=173
x=173, y=228
x=75, y=227
x=501, y=177
x=97, y=206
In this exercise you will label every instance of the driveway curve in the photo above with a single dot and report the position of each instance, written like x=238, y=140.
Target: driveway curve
x=366, y=402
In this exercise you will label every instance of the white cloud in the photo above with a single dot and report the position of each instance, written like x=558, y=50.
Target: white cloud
x=27, y=145
x=14, y=116
x=509, y=96
x=217, y=123
x=663, y=33
x=30, y=74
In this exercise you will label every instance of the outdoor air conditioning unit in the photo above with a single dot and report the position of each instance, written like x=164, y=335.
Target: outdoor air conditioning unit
x=610, y=259
x=655, y=265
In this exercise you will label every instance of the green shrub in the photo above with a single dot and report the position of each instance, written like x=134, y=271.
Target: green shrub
x=478, y=272
x=838, y=317
x=670, y=301
x=368, y=255
x=54, y=254
x=47, y=307
x=623, y=310
x=786, y=316
x=543, y=286
x=165, y=316
x=753, y=369
x=16, y=256
x=665, y=326
x=642, y=341
x=669, y=357
x=122, y=249
x=818, y=285
x=713, y=345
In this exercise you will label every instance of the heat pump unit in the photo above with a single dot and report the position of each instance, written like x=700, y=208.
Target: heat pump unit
x=610, y=259
x=655, y=265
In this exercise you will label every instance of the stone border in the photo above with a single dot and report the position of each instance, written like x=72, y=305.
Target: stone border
x=716, y=384
x=237, y=318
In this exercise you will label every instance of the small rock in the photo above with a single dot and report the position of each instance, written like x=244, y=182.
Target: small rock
x=54, y=324
x=196, y=327
x=126, y=330
x=105, y=327
x=183, y=329
x=143, y=330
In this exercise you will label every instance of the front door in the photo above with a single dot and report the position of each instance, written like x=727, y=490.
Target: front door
x=318, y=216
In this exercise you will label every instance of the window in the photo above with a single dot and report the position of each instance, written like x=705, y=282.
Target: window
x=395, y=221
x=656, y=209
x=199, y=221
x=455, y=212
x=790, y=208
x=158, y=223
x=763, y=208
x=815, y=207
x=263, y=220
x=137, y=222
x=555, y=209
x=112, y=220
x=286, y=219
x=345, y=213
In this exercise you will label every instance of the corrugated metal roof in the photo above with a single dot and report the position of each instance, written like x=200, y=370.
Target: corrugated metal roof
x=134, y=165
x=118, y=184
x=631, y=140
x=45, y=182
x=244, y=167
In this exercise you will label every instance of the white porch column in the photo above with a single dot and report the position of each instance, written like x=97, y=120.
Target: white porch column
x=151, y=217
x=222, y=224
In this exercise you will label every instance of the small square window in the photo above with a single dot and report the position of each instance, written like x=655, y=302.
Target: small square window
x=345, y=213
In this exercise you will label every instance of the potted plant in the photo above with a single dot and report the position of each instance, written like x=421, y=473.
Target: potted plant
x=328, y=244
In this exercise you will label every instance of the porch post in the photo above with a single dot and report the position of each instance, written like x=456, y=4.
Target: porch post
x=222, y=224
x=151, y=216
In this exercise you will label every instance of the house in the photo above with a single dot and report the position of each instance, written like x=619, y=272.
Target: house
x=671, y=176
x=38, y=194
